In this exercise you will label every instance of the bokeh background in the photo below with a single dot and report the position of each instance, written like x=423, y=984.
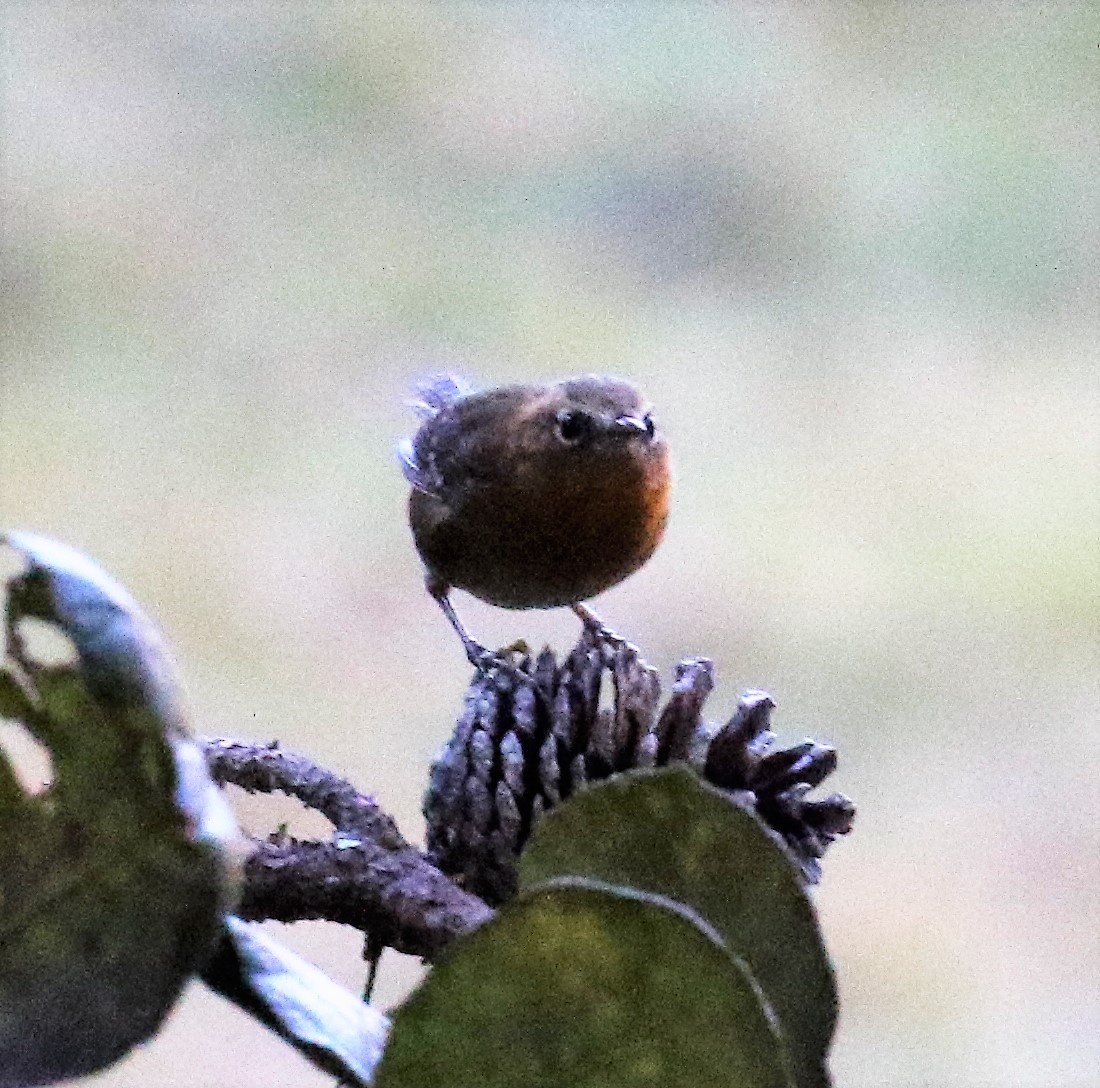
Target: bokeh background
x=851, y=253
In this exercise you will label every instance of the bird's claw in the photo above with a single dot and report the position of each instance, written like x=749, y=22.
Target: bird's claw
x=503, y=660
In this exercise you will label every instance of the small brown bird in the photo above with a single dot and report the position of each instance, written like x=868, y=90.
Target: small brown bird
x=533, y=496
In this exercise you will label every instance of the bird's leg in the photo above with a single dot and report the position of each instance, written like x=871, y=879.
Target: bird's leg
x=476, y=654
x=481, y=657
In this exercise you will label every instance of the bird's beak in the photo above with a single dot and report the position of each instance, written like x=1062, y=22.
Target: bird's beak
x=630, y=424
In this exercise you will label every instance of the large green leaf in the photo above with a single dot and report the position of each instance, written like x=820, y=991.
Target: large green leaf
x=670, y=833
x=579, y=983
x=114, y=881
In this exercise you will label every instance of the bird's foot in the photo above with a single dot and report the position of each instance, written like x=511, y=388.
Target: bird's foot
x=481, y=657
x=505, y=660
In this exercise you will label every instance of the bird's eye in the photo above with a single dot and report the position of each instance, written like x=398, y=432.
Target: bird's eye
x=650, y=426
x=573, y=426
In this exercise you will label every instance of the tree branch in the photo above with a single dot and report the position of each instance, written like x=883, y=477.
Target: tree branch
x=397, y=897
x=369, y=878
x=266, y=768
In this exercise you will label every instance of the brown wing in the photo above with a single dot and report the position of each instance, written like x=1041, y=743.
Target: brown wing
x=434, y=395
x=463, y=442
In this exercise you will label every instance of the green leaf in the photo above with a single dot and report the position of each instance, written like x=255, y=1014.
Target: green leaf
x=113, y=883
x=15, y=707
x=670, y=833
x=124, y=659
x=109, y=901
x=578, y=983
x=14, y=704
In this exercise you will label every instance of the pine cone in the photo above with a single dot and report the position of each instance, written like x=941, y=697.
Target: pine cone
x=534, y=732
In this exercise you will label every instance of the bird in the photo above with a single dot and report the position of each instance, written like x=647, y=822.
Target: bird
x=533, y=495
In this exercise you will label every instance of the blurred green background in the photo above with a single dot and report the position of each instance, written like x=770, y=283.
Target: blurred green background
x=852, y=254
